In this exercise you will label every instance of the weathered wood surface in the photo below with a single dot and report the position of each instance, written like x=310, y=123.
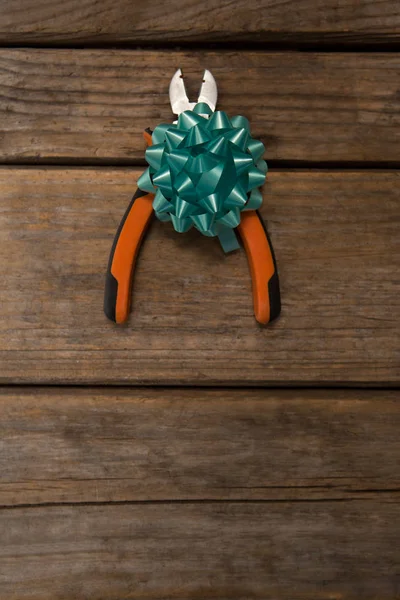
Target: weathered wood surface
x=110, y=21
x=313, y=550
x=337, y=241
x=93, y=105
x=98, y=445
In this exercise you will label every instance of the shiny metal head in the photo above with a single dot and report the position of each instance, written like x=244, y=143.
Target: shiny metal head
x=180, y=101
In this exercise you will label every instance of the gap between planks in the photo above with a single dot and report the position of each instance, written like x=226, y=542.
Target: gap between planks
x=305, y=45
x=382, y=496
x=273, y=165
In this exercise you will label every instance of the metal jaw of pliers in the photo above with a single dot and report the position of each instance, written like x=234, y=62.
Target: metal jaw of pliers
x=178, y=97
x=134, y=224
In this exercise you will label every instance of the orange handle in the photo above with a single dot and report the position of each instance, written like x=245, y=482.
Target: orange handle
x=123, y=256
x=124, y=252
x=264, y=274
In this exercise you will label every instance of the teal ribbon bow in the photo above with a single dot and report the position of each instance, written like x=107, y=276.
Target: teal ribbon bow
x=204, y=171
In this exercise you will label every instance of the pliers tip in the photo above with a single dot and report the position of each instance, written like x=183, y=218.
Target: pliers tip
x=179, y=99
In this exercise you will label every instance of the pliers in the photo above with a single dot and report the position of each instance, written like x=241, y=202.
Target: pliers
x=134, y=224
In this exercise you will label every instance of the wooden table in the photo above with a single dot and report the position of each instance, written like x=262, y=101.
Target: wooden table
x=193, y=454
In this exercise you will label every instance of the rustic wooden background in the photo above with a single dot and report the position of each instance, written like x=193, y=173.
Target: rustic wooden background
x=193, y=454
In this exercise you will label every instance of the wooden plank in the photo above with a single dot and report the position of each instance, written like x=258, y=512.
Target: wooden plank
x=298, y=550
x=336, y=236
x=60, y=105
x=100, y=445
x=24, y=21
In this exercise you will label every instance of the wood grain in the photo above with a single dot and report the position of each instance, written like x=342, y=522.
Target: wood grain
x=92, y=105
x=223, y=551
x=177, y=21
x=337, y=241
x=101, y=445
